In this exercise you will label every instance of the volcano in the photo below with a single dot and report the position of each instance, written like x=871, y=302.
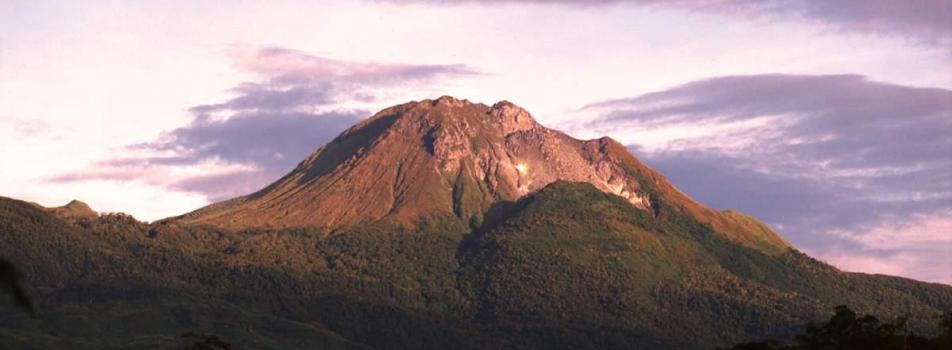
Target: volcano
x=450, y=158
x=436, y=224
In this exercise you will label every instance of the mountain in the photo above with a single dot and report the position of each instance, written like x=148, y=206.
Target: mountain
x=452, y=158
x=436, y=224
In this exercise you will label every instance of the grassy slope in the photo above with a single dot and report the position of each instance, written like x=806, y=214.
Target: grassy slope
x=567, y=267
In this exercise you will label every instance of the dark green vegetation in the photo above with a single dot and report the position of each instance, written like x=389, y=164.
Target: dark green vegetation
x=194, y=341
x=11, y=284
x=846, y=331
x=567, y=267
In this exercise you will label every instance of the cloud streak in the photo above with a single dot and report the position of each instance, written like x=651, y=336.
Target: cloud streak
x=921, y=247
x=267, y=126
x=293, y=81
x=270, y=141
x=832, y=160
x=926, y=21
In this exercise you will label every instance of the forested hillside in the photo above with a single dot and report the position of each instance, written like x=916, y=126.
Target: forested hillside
x=568, y=267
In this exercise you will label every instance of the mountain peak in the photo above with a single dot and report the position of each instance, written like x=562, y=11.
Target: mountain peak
x=503, y=115
x=77, y=204
x=74, y=209
x=451, y=101
x=512, y=118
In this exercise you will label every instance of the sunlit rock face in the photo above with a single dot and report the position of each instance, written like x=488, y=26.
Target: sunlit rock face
x=513, y=154
x=423, y=159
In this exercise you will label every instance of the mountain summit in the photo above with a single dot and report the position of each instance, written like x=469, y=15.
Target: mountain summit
x=448, y=157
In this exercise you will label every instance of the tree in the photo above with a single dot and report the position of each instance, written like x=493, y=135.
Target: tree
x=846, y=331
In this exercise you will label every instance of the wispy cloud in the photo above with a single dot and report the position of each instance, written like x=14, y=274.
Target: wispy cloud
x=293, y=81
x=269, y=141
x=290, y=66
x=919, y=246
x=25, y=127
x=815, y=155
x=925, y=21
x=296, y=105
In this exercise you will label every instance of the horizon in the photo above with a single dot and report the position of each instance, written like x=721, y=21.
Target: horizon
x=828, y=122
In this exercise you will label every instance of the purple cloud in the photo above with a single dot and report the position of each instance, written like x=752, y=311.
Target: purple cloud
x=294, y=81
x=273, y=141
x=268, y=126
x=833, y=158
x=226, y=185
x=286, y=65
x=831, y=123
x=926, y=21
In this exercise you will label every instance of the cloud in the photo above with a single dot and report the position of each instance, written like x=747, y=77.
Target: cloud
x=814, y=155
x=188, y=177
x=925, y=21
x=268, y=140
x=288, y=65
x=798, y=205
x=25, y=127
x=296, y=104
x=933, y=231
x=895, y=265
x=224, y=185
x=888, y=139
x=920, y=248
x=293, y=81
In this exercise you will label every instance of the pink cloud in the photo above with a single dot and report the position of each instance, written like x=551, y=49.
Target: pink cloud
x=120, y=170
x=855, y=262
x=933, y=231
x=228, y=184
x=287, y=64
x=921, y=249
x=925, y=21
x=215, y=180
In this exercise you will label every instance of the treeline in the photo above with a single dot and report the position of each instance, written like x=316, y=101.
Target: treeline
x=847, y=331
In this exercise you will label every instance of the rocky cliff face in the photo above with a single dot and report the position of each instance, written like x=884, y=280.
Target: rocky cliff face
x=435, y=159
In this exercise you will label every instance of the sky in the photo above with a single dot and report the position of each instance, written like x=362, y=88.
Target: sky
x=829, y=120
